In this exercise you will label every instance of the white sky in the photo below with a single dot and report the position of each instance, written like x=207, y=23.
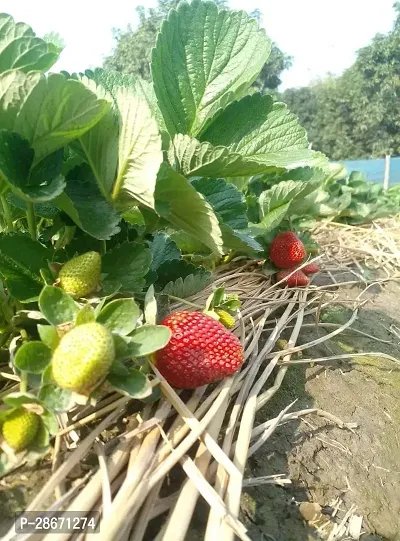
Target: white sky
x=321, y=35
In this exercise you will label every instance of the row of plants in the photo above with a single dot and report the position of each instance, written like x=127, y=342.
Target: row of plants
x=118, y=195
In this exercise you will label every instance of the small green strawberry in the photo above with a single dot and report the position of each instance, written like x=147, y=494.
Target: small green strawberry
x=83, y=358
x=227, y=320
x=81, y=275
x=20, y=428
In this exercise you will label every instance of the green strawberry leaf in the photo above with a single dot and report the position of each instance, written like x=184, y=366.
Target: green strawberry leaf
x=124, y=149
x=55, y=398
x=202, y=59
x=86, y=206
x=47, y=375
x=126, y=265
x=150, y=307
x=23, y=318
x=305, y=174
x=110, y=80
x=129, y=381
x=12, y=83
x=227, y=201
x=44, y=210
x=56, y=111
x=100, y=144
x=273, y=218
x=16, y=400
x=171, y=272
x=85, y=315
x=258, y=128
x=231, y=304
x=154, y=396
x=120, y=316
x=215, y=299
x=285, y=192
x=148, y=338
x=43, y=183
x=178, y=202
x=21, y=261
x=269, y=268
x=163, y=248
x=21, y=49
x=186, y=287
x=113, y=80
x=32, y=357
x=240, y=241
x=8, y=463
x=191, y=158
x=139, y=147
x=49, y=336
x=188, y=244
x=50, y=421
x=57, y=306
x=122, y=347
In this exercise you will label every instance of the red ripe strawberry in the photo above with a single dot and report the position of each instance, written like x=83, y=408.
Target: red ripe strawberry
x=287, y=250
x=200, y=351
x=311, y=268
x=298, y=278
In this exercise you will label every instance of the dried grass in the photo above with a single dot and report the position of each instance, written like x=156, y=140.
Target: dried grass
x=211, y=433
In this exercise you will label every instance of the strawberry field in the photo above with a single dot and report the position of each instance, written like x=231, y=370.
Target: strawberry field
x=163, y=245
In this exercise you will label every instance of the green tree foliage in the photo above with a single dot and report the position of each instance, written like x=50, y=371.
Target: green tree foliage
x=356, y=115
x=132, y=53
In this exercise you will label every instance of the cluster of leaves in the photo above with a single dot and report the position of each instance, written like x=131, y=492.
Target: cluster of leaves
x=355, y=115
x=274, y=199
x=146, y=173
x=300, y=198
x=135, y=333
x=102, y=156
x=351, y=199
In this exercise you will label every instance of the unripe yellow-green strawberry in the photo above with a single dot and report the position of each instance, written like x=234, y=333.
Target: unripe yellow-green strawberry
x=20, y=428
x=81, y=275
x=83, y=358
x=225, y=318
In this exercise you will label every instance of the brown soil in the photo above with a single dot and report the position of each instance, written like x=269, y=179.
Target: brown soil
x=323, y=461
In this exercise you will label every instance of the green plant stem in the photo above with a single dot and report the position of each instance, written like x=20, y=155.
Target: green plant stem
x=103, y=247
x=23, y=386
x=30, y=214
x=7, y=213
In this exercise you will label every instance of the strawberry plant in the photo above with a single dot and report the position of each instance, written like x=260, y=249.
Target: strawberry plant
x=117, y=194
x=302, y=197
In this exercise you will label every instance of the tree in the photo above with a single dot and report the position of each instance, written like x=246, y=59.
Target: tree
x=356, y=115
x=132, y=53
x=269, y=79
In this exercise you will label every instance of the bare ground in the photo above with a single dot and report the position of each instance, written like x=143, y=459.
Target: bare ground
x=323, y=461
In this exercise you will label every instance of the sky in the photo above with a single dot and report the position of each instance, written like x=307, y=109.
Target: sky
x=322, y=36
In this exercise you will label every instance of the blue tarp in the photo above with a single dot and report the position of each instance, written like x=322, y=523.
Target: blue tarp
x=374, y=169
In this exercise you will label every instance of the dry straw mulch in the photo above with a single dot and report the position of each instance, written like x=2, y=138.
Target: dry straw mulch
x=211, y=432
